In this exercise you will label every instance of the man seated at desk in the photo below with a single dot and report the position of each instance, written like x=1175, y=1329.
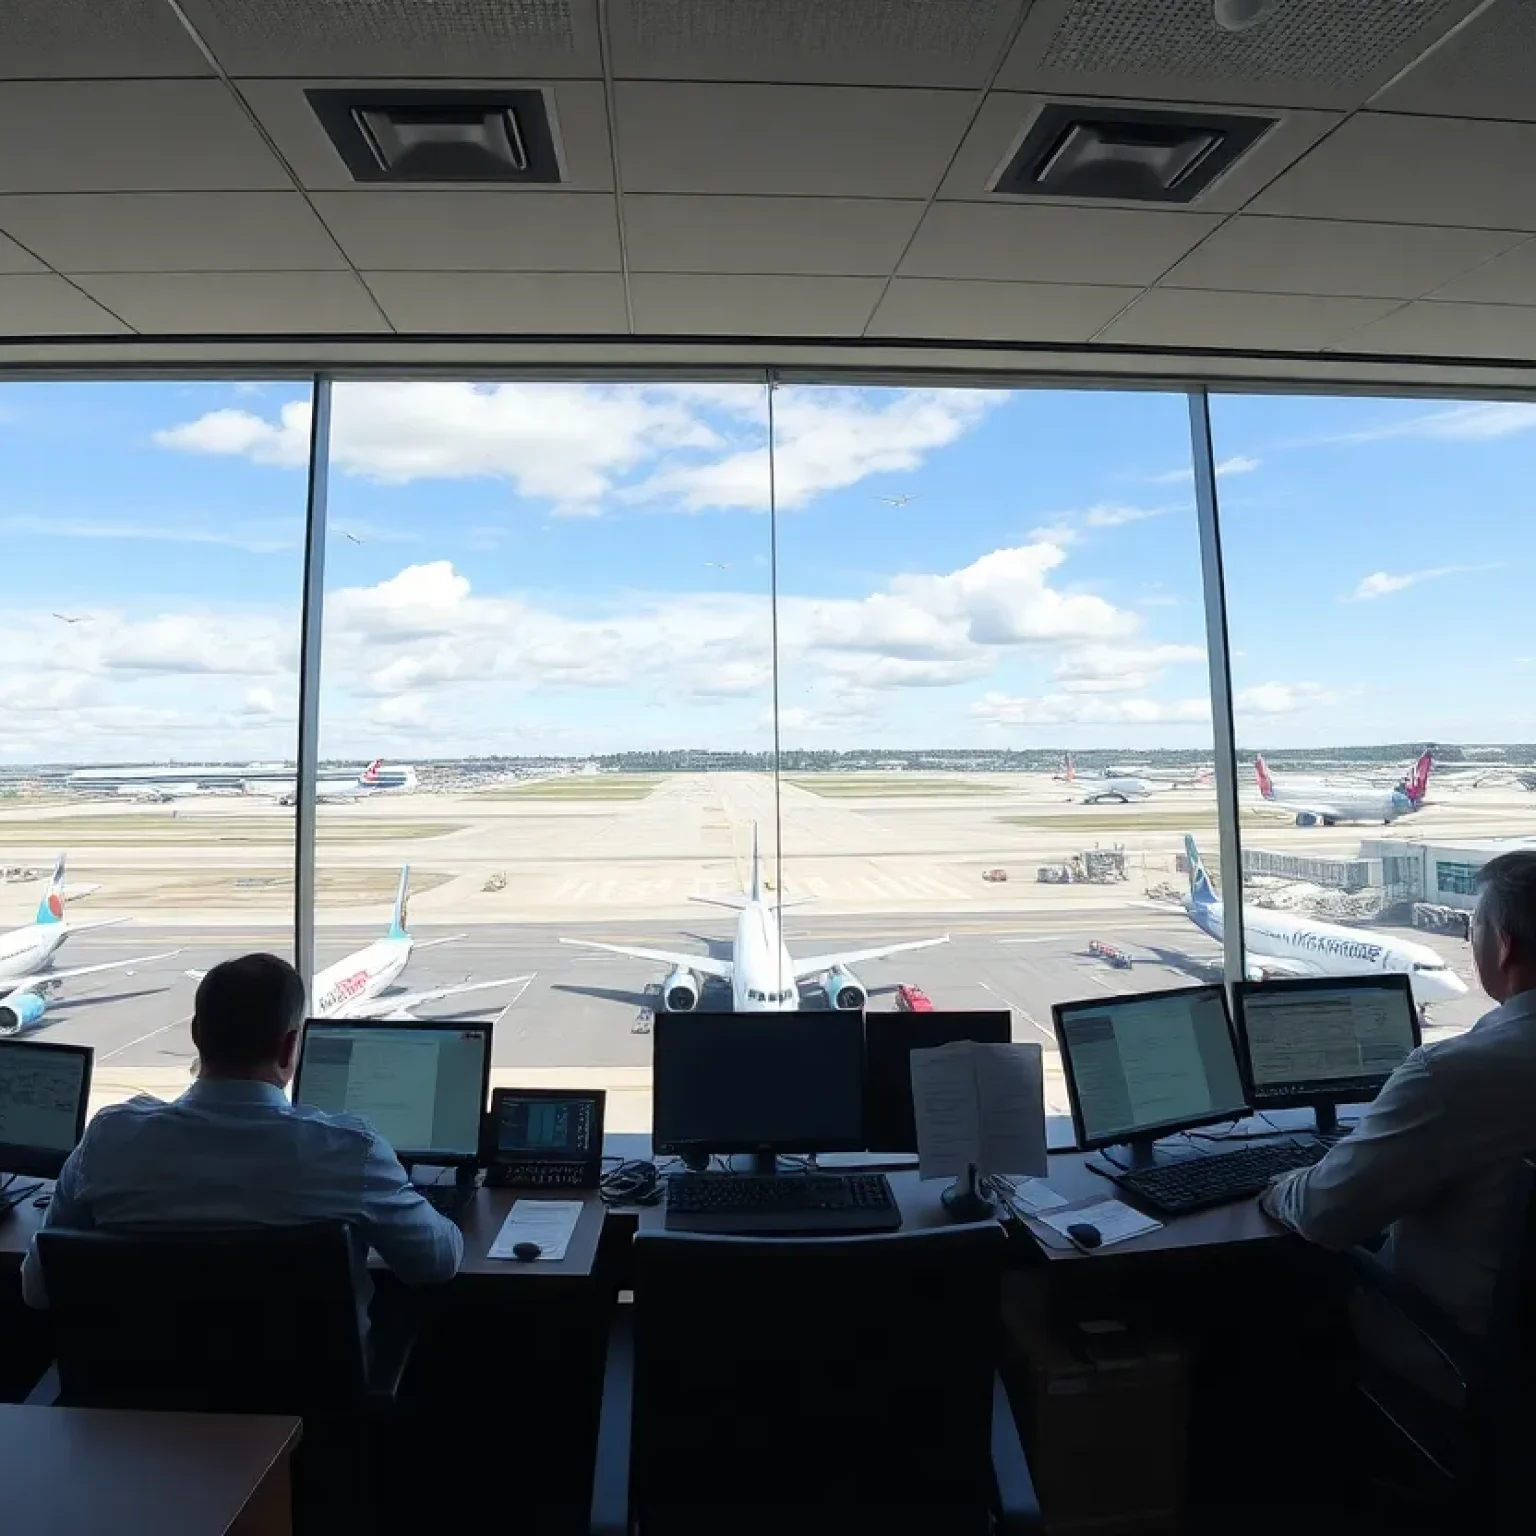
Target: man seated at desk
x=233, y=1152
x=1432, y=1160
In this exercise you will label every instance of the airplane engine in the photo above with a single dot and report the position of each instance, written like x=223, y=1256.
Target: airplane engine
x=21, y=1010
x=844, y=990
x=680, y=991
x=1308, y=819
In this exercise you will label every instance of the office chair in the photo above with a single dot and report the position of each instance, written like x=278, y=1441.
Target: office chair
x=1473, y=1458
x=809, y=1385
x=259, y=1320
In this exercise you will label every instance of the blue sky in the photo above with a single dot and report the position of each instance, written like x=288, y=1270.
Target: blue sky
x=573, y=568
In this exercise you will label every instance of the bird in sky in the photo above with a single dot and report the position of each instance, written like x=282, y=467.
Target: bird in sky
x=716, y=565
x=66, y=618
x=896, y=501
x=354, y=538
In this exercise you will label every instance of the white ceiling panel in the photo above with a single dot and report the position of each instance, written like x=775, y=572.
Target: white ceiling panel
x=1006, y=117
x=1306, y=53
x=429, y=39
x=1055, y=244
x=577, y=114
x=850, y=237
x=172, y=232
x=49, y=306
x=1415, y=170
x=215, y=303
x=472, y=231
x=1282, y=322
x=823, y=42
x=1484, y=70
x=1507, y=279
x=787, y=139
x=753, y=306
x=14, y=259
x=129, y=136
x=1266, y=255
x=515, y=303
x=977, y=311
x=1452, y=330
x=91, y=39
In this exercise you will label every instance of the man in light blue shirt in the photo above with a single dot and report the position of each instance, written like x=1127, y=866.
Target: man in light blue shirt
x=233, y=1152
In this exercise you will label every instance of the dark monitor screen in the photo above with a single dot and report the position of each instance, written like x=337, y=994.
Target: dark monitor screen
x=44, y=1092
x=758, y=1082
x=1146, y=1066
x=889, y=1040
x=1323, y=1040
x=422, y=1086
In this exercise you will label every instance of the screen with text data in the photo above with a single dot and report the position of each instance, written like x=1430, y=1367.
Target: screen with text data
x=42, y=1097
x=1144, y=1065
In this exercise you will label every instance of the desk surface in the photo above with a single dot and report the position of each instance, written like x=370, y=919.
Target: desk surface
x=81, y=1471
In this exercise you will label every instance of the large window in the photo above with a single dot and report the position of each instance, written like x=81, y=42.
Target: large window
x=148, y=707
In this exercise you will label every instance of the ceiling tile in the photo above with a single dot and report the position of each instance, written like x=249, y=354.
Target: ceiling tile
x=752, y=306
x=1415, y=170
x=577, y=114
x=1482, y=71
x=92, y=39
x=1006, y=117
x=1452, y=330
x=853, y=236
x=1306, y=53
x=130, y=136
x=428, y=39
x=14, y=259
x=473, y=231
x=505, y=303
x=236, y=303
x=822, y=42
x=1268, y=255
x=172, y=232
x=1055, y=244
x=1174, y=317
x=49, y=306
x=787, y=139
x=1507, y=279
x=978, y=311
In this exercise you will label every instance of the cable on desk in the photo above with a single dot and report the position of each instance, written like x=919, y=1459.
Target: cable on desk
x=635, y=1182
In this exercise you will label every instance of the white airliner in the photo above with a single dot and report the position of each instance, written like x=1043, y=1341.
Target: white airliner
x=1102, y=788
x=353, y=988
x=763, y=977
x=1278, y=945
x=1323, y=805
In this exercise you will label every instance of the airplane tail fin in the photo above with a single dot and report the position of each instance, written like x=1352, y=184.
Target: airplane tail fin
x=755, y=893
x=1261, y=773
x=370, y=774
x=1068, y=768
x=397, y=923
x=1418, y=781
x=1201, y=892
x=51, y=908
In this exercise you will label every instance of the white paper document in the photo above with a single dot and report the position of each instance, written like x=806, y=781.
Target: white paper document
x=1115, y=1221
x=549, y=1223
x=982, y=1104
x=1034, y=1195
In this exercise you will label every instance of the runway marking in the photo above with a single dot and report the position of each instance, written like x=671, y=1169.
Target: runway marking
x=174, y=1024
x=1024, y=1013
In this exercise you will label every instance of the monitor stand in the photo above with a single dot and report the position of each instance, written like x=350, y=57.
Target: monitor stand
x=1327, y=1119
x=1141, y=1152
x=764, y=1164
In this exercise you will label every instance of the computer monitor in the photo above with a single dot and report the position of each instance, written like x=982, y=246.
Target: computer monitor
x=44, y=1093
x=1321, y=1041
x=421, y=1085
x=758, y=1082
x=889, y=1040
x=1139, y=1068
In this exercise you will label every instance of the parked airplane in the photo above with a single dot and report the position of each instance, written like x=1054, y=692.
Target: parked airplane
x=375, y=779
x=763, y=977
x=23, y=1005
x=1101, y=788
x=1279, y=945
x=26, y=951
x=1319, y=805
x=353, y=988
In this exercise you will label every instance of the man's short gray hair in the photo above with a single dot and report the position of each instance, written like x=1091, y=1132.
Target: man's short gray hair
x=1506, y=898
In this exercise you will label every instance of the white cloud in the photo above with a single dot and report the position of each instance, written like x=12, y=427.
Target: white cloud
x=1286, y=698
x=264, y=537
x=1004, y=709
x=1476, y=423
x=1238, y=464
x=1384, y=583
x=261, y=702
x=1114, y=514
x=1120, y=669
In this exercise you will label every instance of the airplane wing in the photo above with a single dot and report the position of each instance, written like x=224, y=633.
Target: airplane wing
x=47, y=978
x=815, y=965
x=402, y=1003
x=702, y=964
x=104, y=922
x=453, y=938
x=1261, y=967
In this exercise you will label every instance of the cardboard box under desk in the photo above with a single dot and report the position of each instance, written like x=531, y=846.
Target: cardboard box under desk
x=1104, y=1420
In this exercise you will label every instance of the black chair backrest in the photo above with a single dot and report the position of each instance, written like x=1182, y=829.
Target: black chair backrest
x=1506, y=1403
x=786, y=1376
x=260, y=1320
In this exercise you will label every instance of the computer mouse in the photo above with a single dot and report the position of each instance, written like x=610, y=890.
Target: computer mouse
x=532, y=1250
x=1085, y=1234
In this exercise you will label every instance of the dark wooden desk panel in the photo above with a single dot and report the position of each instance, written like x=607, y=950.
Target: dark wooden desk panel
x=82, y=1471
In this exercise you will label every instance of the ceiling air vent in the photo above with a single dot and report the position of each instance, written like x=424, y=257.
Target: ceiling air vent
x=440, y=135
x=1132, y=154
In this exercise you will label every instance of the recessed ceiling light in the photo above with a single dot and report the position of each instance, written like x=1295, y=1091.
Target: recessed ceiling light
x=1239, y=15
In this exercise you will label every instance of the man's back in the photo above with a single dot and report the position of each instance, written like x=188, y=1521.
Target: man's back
x=237, y=1153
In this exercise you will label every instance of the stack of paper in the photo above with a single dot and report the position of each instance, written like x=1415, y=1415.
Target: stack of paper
x=549, y=1223
x=981, y=1104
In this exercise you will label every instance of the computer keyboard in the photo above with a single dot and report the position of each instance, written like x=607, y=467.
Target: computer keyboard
x=781, y=1205
x=447, y=1199
x=1174, y=1189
